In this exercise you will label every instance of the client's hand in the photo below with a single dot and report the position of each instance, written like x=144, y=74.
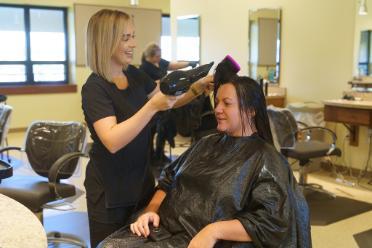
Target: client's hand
x=141, y=226
x=204, y=238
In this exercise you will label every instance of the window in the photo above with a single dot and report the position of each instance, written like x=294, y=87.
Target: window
x=166, y=39
x=188, y=38
x=33, y=45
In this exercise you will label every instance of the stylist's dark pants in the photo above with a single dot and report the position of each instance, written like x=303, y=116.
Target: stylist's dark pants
x=104, y=221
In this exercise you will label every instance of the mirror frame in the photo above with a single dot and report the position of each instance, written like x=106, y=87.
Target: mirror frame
x=278, y=58
x=367, y=52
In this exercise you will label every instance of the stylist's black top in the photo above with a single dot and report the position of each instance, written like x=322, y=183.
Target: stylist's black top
x=123, y=177
x=153, y=71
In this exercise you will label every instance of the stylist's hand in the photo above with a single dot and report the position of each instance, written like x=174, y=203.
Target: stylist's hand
x=141, y=226
x=204, y=84
x=193, y=64
x=163, y=102
x=204, y=238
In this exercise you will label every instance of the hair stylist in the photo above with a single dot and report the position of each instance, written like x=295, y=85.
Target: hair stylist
x=118, y=102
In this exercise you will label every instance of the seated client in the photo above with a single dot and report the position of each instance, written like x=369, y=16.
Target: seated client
x=231, y=189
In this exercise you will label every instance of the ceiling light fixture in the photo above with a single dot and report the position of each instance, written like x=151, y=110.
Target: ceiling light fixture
x=134, y=2
x=363, y=7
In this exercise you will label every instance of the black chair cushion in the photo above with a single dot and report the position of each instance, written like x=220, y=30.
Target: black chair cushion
x=33, y=191
x=303, y=150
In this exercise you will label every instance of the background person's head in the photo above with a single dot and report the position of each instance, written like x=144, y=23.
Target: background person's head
x=152, y=53
x=110, y=39
x=240, y=108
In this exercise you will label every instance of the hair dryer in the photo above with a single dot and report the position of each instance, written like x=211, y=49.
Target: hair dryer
x=178, y=82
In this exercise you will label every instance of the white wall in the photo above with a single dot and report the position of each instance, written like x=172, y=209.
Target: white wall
x=317, y=40
x=317, y=52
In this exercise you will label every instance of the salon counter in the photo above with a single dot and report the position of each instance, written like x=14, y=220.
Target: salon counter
x=19, y=227
x=276, y=100
x=276, y=96
x=349, y=104
x=351, y=113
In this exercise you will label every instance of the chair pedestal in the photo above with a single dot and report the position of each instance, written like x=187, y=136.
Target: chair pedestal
x=307, y=188
x=63, y=238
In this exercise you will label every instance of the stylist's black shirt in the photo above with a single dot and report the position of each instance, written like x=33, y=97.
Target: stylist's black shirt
x=153, y=71
x=121, y=176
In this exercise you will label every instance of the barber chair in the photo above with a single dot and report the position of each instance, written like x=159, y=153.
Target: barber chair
x=53, y=150
x=206, y=123
x=300, y=143
x=5, y=113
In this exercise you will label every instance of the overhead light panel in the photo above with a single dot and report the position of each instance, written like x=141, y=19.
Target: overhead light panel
x=363, y=7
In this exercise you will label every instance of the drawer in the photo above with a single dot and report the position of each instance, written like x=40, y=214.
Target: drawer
x=348, y=115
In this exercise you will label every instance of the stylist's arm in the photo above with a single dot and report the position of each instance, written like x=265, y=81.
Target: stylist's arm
x=116, y=135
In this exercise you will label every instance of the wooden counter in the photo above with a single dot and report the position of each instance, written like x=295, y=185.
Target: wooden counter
x=277, y=101
x=351, y=113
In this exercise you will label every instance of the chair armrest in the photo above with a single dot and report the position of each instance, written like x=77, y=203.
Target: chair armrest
x=9, y=148
x=333, y=134
x=302, y=124
x=57, y=166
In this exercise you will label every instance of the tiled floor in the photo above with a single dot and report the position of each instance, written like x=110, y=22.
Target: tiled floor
x=339, y=234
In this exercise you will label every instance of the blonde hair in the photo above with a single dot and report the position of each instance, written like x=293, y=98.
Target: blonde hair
x=150, y=51
x=103, y=36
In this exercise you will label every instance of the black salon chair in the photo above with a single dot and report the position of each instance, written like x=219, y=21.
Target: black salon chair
x=53, y=150
x=5, y=113
x=301, y=144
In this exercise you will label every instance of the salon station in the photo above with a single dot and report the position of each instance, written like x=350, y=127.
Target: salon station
x=312, y=61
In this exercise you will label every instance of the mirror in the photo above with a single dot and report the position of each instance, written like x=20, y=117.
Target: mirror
x=365, y=56
x=264, y=44
x=188, y=38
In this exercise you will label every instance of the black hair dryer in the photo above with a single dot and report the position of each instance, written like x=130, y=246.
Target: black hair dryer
x=178, y=82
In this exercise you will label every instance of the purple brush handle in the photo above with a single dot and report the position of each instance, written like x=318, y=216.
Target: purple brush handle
x=233, y=62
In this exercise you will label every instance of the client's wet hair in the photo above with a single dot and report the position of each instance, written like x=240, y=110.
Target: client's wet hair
x=252, y=104
x=225, y=70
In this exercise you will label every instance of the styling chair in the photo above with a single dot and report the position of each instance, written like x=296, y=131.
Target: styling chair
x=207, y=123
x=5, y=113
x=302, y=144
x=53, y=150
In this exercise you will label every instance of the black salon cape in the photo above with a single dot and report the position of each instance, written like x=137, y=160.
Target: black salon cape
x=225, y=178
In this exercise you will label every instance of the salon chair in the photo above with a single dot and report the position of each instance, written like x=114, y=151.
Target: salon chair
x=5, y=113
x=53, y=150
x=300, y=143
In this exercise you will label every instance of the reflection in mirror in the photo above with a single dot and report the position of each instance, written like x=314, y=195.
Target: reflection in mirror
x=365, y=61
x=264, y=44
x=188, y=38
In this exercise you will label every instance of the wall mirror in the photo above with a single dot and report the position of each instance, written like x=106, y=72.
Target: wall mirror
x=188, y=38
x=365, y=54
x=264, y=44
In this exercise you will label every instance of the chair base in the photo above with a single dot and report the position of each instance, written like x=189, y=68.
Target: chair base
x=309, y=188
x=63, y=238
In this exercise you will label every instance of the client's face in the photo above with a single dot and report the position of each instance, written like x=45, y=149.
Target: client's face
x=227, y=111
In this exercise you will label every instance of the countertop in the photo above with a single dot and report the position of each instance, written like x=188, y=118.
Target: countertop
x=349, y=103
x=19, y=227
